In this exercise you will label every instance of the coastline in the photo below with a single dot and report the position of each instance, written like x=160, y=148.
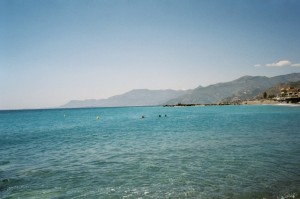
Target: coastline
x=247, y=102
x=268, y=102
x=260, y=102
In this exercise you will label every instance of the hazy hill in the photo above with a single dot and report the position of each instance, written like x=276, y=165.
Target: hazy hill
x=138, y=97
x=244, y=88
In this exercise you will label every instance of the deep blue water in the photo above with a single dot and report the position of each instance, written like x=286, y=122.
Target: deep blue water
x=194, y=152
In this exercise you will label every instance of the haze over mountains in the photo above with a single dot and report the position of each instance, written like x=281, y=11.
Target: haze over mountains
x=244, y=88
x=137, y=97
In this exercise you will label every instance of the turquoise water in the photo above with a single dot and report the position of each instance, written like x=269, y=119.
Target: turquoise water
x=194, y=152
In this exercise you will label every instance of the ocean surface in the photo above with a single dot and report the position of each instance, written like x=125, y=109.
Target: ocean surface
x=188, y=152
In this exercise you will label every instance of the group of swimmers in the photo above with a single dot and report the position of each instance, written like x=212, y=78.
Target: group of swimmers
x=158, y=116
x=98, y=117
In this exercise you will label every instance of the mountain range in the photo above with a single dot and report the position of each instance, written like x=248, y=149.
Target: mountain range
x=246, y=87
x=137, y=97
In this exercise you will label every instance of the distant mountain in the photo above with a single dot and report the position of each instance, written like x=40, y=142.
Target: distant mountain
x=138, y=97
x=244, y=88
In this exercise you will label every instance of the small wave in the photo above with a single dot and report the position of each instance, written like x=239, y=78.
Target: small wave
x=290, y=196
x=4, y=162
x=4, y=184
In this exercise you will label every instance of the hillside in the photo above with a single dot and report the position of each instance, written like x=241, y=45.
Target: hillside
x=244, y=88
x=275, y=90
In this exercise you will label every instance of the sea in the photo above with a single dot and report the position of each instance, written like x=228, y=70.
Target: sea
x=151, y=152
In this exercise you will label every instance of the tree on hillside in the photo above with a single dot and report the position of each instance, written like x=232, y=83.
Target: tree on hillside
x=265, y=95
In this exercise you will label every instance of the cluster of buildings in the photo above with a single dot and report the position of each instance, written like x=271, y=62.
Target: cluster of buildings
x=290, y=94
x=286, y=95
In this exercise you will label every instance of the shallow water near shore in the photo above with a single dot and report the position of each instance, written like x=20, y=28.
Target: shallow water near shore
x=188, y=152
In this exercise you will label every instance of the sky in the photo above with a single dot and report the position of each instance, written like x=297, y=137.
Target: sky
x=55, y=51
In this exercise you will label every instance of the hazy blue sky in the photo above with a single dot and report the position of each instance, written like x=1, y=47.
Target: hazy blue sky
x=55, y=51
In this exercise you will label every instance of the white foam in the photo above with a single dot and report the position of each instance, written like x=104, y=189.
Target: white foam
x=285, y=104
